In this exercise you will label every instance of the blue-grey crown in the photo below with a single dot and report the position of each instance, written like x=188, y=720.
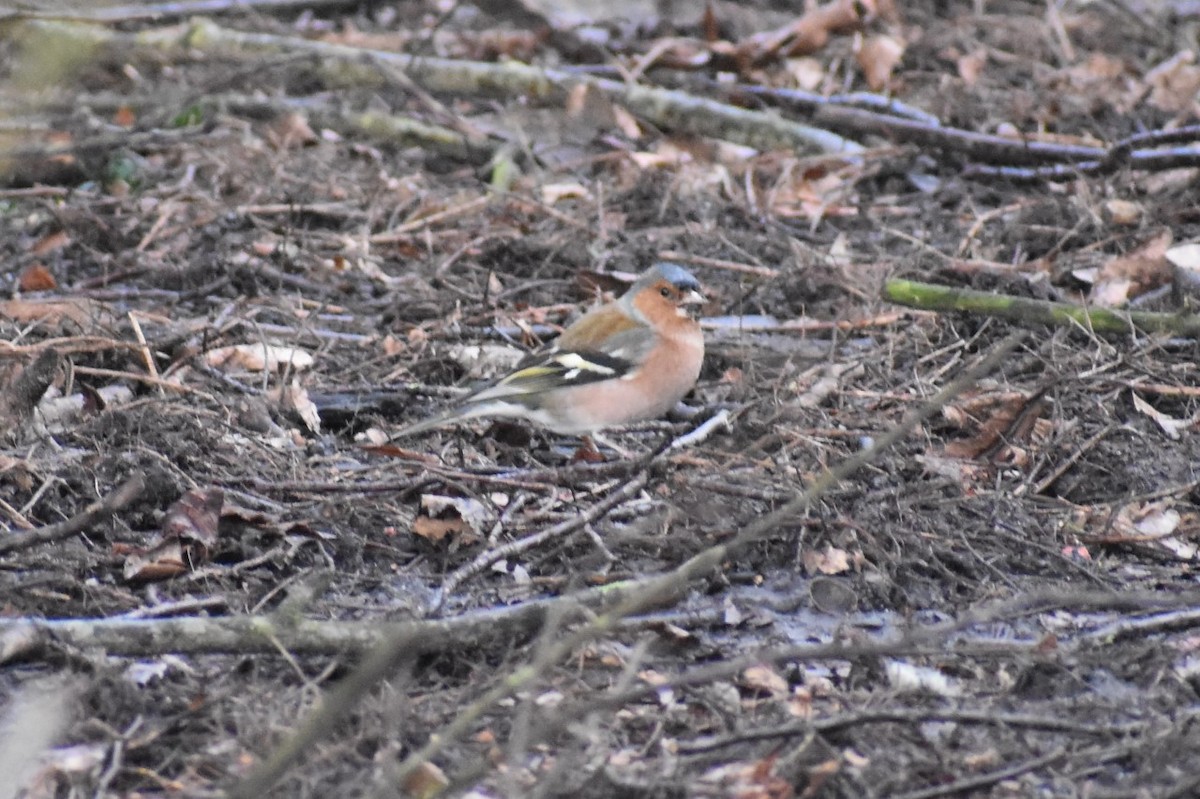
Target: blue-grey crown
x=677, y=276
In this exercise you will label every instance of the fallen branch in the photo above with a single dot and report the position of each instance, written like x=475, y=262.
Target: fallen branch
x=1000, y=155
x=932, y=297
x=182, y=8
x=90, y=516
x=672, y=110
x=253, y=635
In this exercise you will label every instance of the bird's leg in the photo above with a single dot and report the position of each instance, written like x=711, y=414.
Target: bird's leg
x=586, y=452
x=595, y=438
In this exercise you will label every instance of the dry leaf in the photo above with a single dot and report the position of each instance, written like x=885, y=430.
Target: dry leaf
x=36, y=277
x=745, y=780
x=289, y=131
x=1168, y=424
x=765, y=680
x=1001, y=419
x=294, y=398
x=50, y=242
x=443, y=516
x=425, y=781
x=258, y=357
x=821, y=773
x=877, y=57
x=1175, y=83
x=829, y=560
x=1184, y=256
x=817, y=384
x=807, y=72
x=1132, y=275
x=971, y=65
x=1123, y=212
x=437, y=529
x=906, y=677
x=553, y=192
x=124, y=117
x=627, y=123
x=188, y=536
x=83, y=313
x=806, y=35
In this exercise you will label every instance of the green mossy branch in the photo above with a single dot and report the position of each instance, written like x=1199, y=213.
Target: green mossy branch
x=932, y=297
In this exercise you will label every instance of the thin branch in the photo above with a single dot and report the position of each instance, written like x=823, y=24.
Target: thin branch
x=983, y=780
x=561, y=530
x=907, y=716
x=89, y=517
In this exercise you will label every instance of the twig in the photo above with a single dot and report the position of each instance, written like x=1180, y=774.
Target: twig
x=811, y=101
x=991, y=778
x=1126, y=628
x=401, y=232
x=15, y=515
x=177, y=608
x=718, y=263
x=90, y=516
x=1062, y=468
x=978, y=146
x=486, y=559
x=906, y=716
x=703, y=431
x=152, y=380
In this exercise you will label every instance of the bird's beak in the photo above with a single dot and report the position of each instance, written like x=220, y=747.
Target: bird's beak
x=693, y=297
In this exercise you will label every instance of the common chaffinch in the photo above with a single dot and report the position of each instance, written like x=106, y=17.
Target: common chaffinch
x=626, y=361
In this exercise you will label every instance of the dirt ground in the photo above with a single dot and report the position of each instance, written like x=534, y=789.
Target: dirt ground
x=222, y=290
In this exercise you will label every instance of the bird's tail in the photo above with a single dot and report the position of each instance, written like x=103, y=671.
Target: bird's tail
x=456, y=414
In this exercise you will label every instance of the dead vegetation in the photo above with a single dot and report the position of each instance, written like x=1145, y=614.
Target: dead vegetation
x=934, y=550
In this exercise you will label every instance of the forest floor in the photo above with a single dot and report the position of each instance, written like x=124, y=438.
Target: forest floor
x=240, y=249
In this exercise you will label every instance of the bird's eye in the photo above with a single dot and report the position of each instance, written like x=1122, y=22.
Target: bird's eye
x=665, y=291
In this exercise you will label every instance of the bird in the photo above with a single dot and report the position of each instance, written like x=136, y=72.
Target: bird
x=626, y=361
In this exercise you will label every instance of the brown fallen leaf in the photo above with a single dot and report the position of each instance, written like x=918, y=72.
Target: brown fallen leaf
x=806, y=35
x=82, y=314
x=1131, y=275
x=36, y=277
x=877, y=57
x=436, y=529
x=188, y=536
x=1175, y=82
x=289, y=131
x=830, y=560
x=463, y=518
x=425, y=781
x=258, y=357
x=764, y=680
x=50, y=243
x=1002, y=421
